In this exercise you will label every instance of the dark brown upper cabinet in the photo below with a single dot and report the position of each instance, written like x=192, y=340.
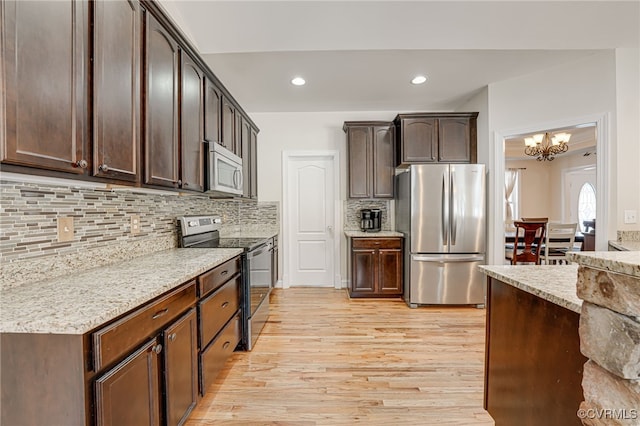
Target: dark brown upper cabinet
x=191, y=125
x=229, y=127
x=371, y=161
x=116, y=90
x=45, y=85
x=436, y=137
x=161, y=106
x=212, y=112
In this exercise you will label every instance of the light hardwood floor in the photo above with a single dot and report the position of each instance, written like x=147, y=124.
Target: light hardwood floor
x=323, y=359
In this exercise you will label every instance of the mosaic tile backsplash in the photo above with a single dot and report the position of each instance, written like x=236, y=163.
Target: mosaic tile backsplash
x=102, y=218
x=352, y=213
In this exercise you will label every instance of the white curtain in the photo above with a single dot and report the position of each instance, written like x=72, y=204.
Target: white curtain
x=510, y=179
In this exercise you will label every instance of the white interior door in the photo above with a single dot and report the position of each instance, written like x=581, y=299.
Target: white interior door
x=574, y=181
x=310, y=213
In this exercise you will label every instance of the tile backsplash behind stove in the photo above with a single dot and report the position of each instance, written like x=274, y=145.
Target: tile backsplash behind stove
x=29, y=249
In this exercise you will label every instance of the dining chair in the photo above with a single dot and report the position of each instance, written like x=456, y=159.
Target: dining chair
x=528, y=239
x=558, y=242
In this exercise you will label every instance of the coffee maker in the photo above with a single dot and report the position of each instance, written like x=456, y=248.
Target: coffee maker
x=370, y=220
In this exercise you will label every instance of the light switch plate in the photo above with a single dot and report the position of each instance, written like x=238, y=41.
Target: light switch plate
x=65, y=229
x=135, y=224
x=630, y=216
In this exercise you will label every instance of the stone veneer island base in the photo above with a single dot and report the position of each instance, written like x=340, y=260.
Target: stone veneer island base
x=609, y=284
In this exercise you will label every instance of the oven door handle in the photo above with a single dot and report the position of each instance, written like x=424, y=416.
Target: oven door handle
x=260, y=250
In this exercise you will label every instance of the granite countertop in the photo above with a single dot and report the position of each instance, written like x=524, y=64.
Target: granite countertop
x=624, y=262
x=554, y=283
x=250, y=231
x=381, y=234
x=78, y=303
x=625, y=245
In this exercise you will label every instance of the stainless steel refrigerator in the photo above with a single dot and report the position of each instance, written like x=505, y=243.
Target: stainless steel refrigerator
x=440, y=209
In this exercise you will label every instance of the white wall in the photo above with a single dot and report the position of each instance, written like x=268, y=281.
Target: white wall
x=627, y=156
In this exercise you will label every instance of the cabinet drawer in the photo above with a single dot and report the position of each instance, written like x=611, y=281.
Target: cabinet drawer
x=215, y=310
x=212, y=359
x=117, y=339
x=211, y=280
x=376, y=243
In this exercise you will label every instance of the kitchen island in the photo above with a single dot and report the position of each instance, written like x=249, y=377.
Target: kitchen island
x=533, y=364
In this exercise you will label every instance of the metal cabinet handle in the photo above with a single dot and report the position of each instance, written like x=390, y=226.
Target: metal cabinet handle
x=185, y=184
x=226, y=345
x=103, y=168
x=224, y=305
x=157, y=348
x=172, y=337
x=225, y=272
x=160, y=313
x=82, y=164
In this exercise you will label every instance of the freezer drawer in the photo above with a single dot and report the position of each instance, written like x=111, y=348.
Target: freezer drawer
x=445, y=279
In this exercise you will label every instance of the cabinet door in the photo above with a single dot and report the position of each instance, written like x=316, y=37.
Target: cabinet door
x=253, y=173
x=419, y=140
x=229, y=125
x=191, y=125
x=129, y=393
x=161, y=135
x=390, y=271
x=360, y=157
x=454, y=140
x=116, y=83
x=245, y=153
x=181, y=368
x=383, y=161
x=212, y=112
x=363, y=271
x=44, y=50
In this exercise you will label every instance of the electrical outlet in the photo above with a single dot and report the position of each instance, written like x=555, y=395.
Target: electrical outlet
x=135, y=224
x=630, y=216
x=65, y=229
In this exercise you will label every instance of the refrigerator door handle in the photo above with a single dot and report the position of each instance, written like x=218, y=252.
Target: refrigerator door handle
x=444, y=212
x=454, y=217
x=438, y=259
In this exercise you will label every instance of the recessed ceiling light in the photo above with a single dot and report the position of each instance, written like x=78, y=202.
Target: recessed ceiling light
x=298, y=81
x=418, y=79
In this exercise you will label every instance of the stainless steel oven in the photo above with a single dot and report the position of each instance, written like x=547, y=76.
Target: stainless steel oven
x=257, y=264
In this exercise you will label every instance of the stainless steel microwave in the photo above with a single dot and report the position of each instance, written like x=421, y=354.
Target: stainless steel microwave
x=225, y=171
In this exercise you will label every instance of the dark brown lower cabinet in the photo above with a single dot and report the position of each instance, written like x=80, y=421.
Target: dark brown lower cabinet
x=181, y=368
x=129, y=393
x=376, y=267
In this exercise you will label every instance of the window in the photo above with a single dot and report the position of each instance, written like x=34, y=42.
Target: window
x=586, y=204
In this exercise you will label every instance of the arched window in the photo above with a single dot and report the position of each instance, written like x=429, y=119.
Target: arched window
x=586, y=204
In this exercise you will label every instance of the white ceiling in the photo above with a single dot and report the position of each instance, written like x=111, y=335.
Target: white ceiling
x=360, y=55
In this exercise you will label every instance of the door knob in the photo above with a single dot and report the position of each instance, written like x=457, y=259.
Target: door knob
x=329, y=228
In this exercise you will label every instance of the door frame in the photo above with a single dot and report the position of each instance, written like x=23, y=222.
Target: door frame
x=603, y=194
x=288, y=157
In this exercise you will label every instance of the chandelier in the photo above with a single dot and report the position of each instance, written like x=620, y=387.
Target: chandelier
x=544, y=147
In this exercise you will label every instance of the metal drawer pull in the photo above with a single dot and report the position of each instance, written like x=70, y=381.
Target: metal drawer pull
x=160, y=313
x=157, y=348
x=172, y=337
x=226, y=345
x=225, y=304
x=225, y=272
